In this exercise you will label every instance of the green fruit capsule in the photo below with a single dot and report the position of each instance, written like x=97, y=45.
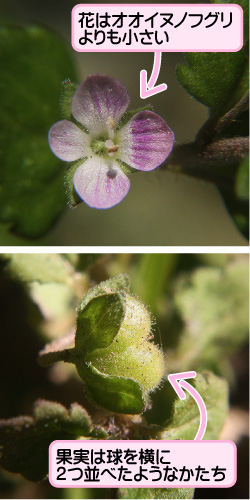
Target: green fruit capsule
x=113, y=351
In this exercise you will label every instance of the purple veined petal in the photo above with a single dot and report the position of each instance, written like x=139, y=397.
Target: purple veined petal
x=101, y=183
x=145, y=141
x=68, y=142
x=99, y=103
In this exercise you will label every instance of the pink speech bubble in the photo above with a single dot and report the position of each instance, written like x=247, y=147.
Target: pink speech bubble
x=99, y=466
x=157, y=27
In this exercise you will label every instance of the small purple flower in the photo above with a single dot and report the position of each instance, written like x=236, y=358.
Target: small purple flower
x=143, y=143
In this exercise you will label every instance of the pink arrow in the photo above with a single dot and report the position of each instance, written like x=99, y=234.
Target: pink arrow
x=176, y=380
x=148, y=89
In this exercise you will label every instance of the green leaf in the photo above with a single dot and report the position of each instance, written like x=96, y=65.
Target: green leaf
x=25, y=440
x=75, y=420
x=217, y=79
x=32, y=192
x=99, y=322
x=154, y=493
x=185, y=420
x=41, y=267
x=214, y=77
x=117, y=394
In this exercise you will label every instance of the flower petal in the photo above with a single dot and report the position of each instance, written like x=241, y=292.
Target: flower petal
x=101, y=183
x=99, y=103
x=68, y=142
x=145, y=141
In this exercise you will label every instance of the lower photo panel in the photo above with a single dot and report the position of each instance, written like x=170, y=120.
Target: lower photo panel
x=124, y=376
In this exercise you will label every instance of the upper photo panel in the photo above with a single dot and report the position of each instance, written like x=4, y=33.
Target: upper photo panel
x=119, y=147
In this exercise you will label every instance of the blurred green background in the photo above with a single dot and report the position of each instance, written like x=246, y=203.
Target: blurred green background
x=161, y=208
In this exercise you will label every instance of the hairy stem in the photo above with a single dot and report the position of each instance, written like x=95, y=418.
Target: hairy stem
x=214, y=126
x=48, y=358
x=216, y=162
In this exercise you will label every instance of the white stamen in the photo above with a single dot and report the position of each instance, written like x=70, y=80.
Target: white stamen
x=111, y=147
x=111, y=125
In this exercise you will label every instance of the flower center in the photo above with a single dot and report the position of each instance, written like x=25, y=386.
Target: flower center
x=103, y=146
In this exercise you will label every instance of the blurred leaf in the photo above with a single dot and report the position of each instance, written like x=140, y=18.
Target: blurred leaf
x=99, y=322
x=151, y=277
x=83, y=261
x=242, y=180
x=41, y=267
x=25, y=440
x=245, y=6
x=213, y=303
x=217, y=79
x=32, y=191
x=149, y=493
x=185, y=420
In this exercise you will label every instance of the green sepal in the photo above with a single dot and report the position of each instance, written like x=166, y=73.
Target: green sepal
x=98, y=323
x=117, y=394
x=119, y=283
x=129, y=114
x=126, y=168
x=72, y=196
x=67, y=92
